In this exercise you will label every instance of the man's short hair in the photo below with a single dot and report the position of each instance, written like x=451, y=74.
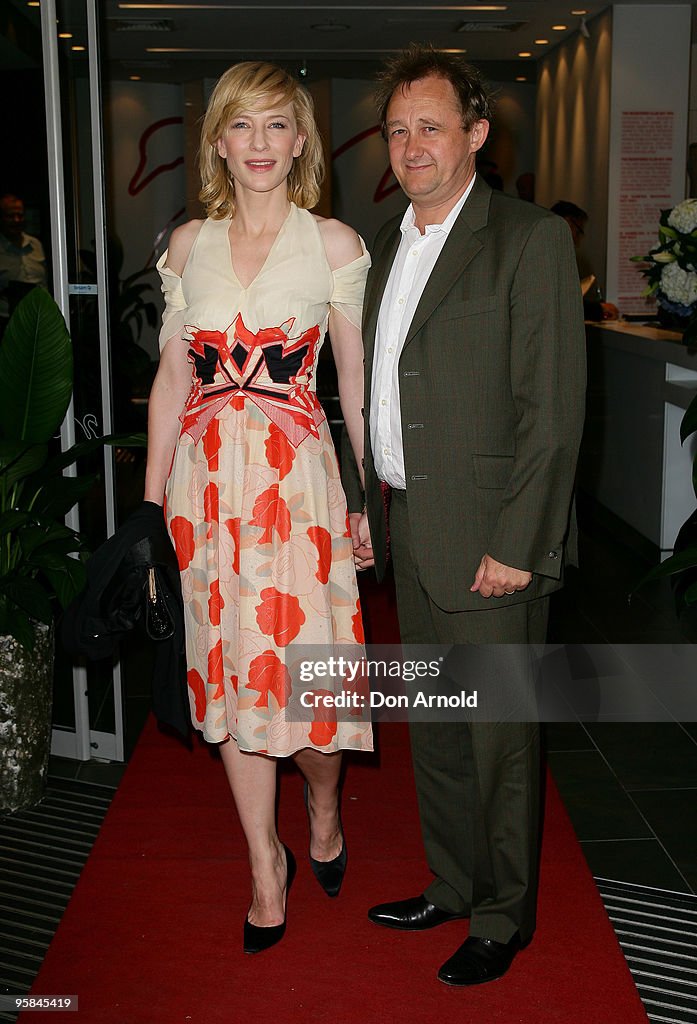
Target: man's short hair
x=566, y=209
x=417, y=62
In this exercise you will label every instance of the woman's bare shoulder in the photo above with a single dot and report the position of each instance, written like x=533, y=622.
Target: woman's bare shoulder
x=180, y=242
x=341, y=242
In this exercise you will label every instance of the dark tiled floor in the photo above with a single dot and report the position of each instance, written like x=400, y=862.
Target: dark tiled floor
x=630, y=787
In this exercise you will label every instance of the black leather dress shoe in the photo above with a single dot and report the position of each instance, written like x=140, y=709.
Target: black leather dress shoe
x=479, y=960
x=412, y=915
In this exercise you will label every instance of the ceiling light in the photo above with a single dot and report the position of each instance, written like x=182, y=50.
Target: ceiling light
x=134, y=78
x=65, y=35
x=579, y=12
x=520, y=78
x=524, y=53
x=78, y=49
x=559, y=28
x=33, y=3
x=541, y=42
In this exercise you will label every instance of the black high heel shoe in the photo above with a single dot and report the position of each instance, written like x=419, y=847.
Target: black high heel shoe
x=329, y=873
x=258, y=938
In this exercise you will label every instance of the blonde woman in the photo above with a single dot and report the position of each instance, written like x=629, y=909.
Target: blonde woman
x=241, y=455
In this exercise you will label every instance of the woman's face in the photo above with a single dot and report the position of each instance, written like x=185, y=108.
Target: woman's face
x=259, y=147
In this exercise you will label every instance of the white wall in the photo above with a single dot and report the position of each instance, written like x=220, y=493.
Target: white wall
x=143, y=214
x=573, y=131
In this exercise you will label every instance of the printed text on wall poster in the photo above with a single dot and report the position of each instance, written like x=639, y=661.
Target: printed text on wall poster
x=646, y=165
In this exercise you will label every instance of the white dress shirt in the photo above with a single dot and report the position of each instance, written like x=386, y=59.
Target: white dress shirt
x=415, y=259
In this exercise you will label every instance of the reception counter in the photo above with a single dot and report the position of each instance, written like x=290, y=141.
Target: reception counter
x=640, y=381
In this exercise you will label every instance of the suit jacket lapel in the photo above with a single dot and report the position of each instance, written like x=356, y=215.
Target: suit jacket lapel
x=461, y=246
x=376, y=287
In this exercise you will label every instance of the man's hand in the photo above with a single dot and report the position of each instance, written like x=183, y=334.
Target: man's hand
x=362, y=547
x=494, y=579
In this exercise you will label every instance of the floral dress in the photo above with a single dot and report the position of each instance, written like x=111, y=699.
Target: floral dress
x=254, y=502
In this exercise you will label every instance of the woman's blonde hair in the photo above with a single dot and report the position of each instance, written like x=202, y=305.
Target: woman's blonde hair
x=250, y=86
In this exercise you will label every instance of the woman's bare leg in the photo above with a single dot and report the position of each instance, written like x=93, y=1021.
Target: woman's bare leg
x=322, y=774
x=252, y=779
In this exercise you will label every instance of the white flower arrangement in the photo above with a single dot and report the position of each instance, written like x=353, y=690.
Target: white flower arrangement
x=671, y=268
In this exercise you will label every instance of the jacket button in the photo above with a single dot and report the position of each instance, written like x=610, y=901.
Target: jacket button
x=553, y=554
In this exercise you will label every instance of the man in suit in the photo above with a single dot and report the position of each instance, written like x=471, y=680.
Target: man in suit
x=475, y=377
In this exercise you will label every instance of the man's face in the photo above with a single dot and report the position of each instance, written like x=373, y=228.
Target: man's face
x=432, y=155
x=12, y=218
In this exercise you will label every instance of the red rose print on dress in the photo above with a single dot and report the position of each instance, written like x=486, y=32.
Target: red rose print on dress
x=279, y=451
x=211, y=506
x=183, y=536
x=268, y=674
x=215, y=669
x=279, y=615
x=198, y=688
x=211, y=444
x=233, y=526
x=271, y=512
x=357, y=623
x=215, y=603
x=323, y=728
x=322, y=539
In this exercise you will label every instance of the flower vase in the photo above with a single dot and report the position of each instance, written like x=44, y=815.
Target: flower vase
x=684, y=325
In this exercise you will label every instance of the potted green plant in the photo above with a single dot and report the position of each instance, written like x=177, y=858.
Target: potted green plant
x=681, y=566
x=40, y=565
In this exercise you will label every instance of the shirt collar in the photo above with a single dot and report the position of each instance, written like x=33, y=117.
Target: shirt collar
x=434, y=229
x=10, y=246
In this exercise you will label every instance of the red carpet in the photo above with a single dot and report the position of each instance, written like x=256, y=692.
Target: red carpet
x=153, y=933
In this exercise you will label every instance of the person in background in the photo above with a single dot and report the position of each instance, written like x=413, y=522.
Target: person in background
x=240, y=453
x=525, y=186
x=22, y=258
x=594, y=307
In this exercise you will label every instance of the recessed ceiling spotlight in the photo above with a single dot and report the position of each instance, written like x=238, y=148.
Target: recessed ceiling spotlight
x=134, y=78
x=329, y=26
x=33, y=3
x=541, y=42
x=559, y=28
x=579, y=12
x=524, y=53
x=65, y=35
x=78, y=49
x=520, y=78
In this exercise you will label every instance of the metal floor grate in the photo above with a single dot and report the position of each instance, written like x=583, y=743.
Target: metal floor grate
x=657, y=930
x=42, y=852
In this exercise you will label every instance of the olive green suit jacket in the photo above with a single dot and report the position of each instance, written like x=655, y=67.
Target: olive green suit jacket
x=492, y=383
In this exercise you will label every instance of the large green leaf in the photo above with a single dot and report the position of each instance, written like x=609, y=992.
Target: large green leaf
x=17, y=623
x=58, y=494
x=29, y=595
x=36, y=370
x=689, y=421
x=68, y=581
x=84, y=448
x=686, y=559
x=19, y=460
x=12, y=520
